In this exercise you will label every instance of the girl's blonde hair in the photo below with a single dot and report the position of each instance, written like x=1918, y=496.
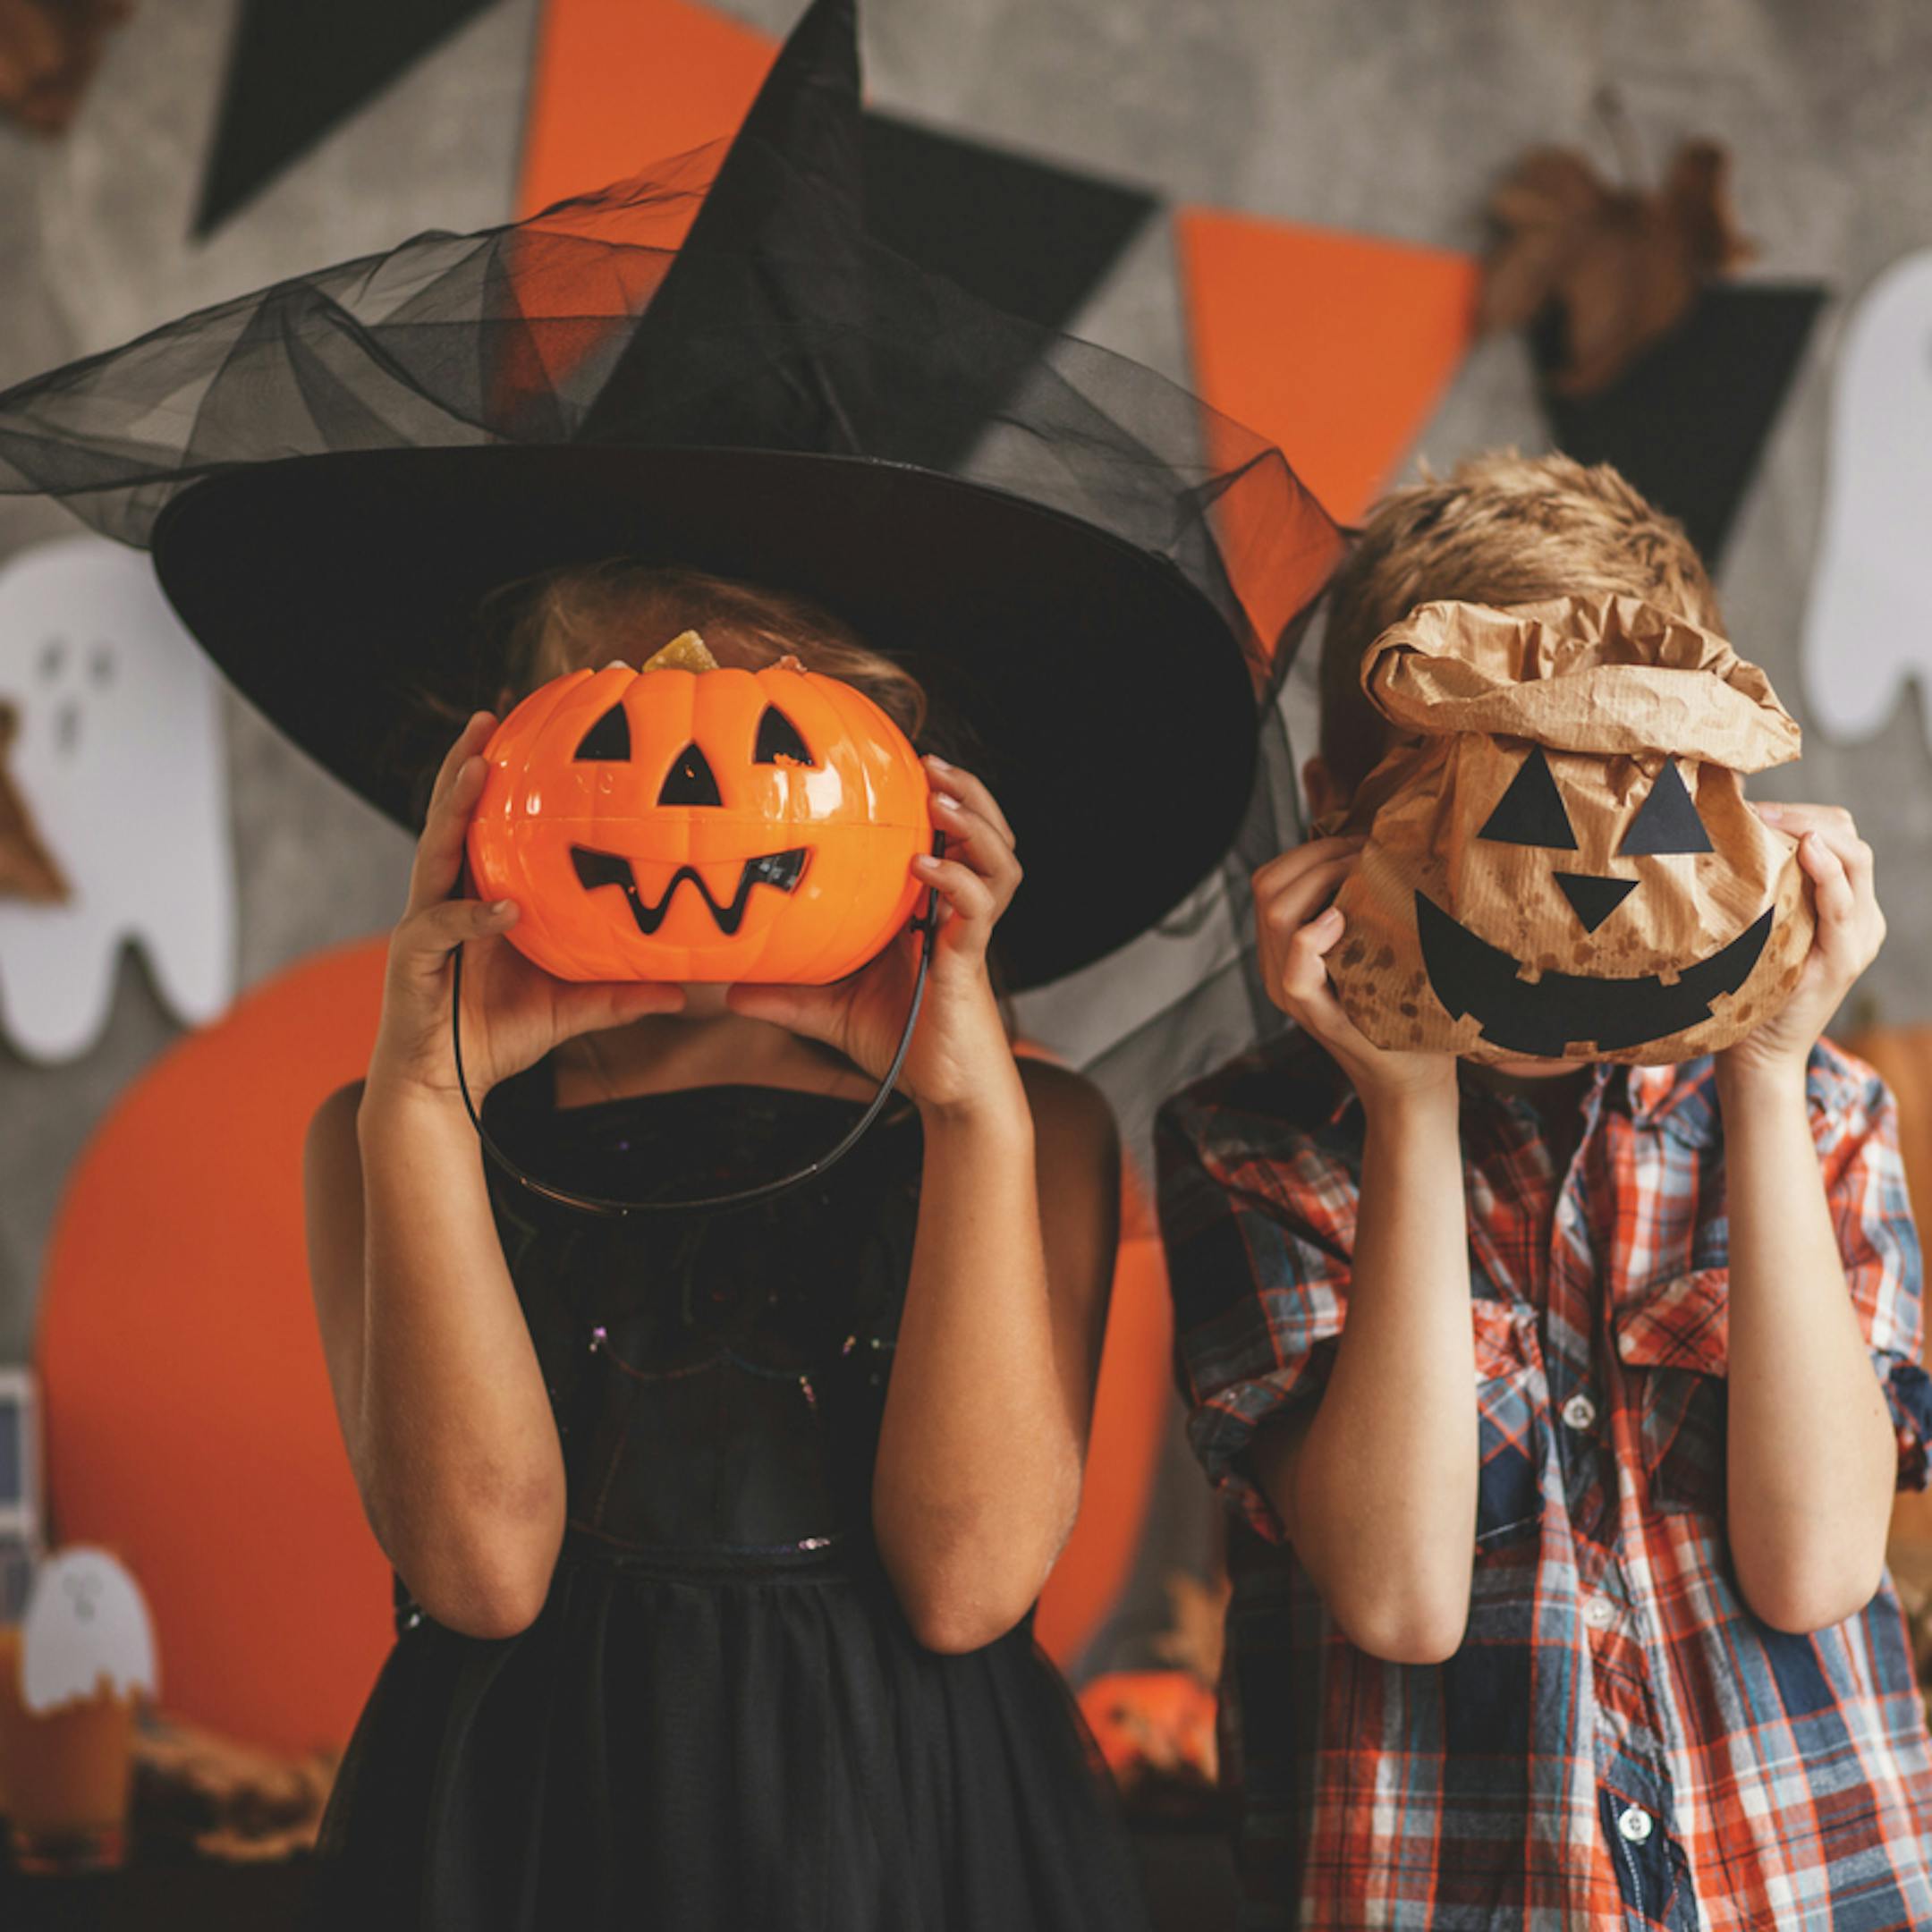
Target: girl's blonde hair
x=585, y=614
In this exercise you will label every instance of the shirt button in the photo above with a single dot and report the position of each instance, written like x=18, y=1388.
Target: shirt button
x=1634, y=1823
x=1579, y=1411
x=1599, y=1613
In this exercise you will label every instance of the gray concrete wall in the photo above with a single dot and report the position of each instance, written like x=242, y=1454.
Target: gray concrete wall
x=1389, y=117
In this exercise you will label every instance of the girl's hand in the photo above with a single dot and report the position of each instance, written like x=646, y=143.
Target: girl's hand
x=1298, y=927
x=1850, y=928
x=960, y=1051
x=514, y=1013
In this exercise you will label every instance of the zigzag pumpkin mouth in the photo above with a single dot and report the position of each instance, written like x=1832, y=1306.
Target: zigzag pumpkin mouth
x=1548, y=1016
x=781, y=870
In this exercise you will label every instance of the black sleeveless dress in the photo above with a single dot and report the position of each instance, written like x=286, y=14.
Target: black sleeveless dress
x=721, y=1719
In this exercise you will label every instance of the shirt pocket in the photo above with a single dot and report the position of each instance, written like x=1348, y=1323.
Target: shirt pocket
x=1673, y=1342
x=1512, y=1405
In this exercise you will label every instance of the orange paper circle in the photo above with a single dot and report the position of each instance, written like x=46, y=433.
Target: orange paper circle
x=188, y=1421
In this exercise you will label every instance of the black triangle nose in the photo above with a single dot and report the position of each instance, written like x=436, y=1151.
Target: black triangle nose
x=1593, y=899
x=689, y=782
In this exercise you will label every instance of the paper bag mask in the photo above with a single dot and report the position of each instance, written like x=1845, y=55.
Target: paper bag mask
x=1560, y=859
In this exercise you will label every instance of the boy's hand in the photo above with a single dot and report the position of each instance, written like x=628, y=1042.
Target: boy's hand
x=1850, y=928
x=1298, y=927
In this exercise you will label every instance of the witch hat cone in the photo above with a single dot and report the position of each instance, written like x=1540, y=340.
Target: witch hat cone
x=341, y=476
x=762, y=334
x=771, y=246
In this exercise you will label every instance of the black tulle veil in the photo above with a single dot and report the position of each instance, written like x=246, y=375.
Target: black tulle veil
x=732, y=299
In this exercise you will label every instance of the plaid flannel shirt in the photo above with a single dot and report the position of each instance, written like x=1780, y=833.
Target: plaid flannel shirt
x=1619, y=1742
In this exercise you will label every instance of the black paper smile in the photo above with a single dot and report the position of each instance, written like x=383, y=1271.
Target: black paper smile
x=1543, y=1018
x=594, y=869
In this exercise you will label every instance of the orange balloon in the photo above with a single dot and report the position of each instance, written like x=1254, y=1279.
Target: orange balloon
x=188, y=1421
x=713, y=826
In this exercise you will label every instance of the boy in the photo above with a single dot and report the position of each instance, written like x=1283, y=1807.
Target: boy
x=1563, y=1405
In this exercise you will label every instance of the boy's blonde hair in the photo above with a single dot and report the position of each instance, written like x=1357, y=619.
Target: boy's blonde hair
x=1499, y=529
x=584, y=616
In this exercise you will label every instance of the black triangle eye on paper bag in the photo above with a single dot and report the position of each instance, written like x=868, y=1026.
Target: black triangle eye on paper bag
x=1560, y=861
x=1532, y=811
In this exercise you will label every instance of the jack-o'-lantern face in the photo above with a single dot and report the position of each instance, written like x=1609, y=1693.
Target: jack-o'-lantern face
x=701, y=824
x=1570, y=892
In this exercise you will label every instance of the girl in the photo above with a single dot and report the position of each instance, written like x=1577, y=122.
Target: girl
x=715, y=1536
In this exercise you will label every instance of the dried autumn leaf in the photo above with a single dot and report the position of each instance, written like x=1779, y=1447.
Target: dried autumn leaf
x=27, y=868
x=1196, y=1624
x=1622, y=266
x=48, y=52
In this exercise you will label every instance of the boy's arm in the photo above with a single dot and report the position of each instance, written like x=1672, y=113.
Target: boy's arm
x=1377, y=1489
x=1811, y=1457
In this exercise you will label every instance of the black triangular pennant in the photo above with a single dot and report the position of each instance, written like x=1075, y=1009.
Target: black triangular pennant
x=297, y=69
x=1687, y=420
x=1667, y=821
x=778, y=237
x=1033, y=239
x=1532, y=811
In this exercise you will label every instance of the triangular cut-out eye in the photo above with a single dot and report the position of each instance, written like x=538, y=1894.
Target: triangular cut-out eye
x=1667, y=820
x=1532, y=811
x=688, y=781
x=778, y=738
x=608, y=738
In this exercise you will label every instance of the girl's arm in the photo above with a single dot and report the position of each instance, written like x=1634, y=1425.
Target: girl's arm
x=985, y=1434
x=1811, y=1459
x=437, y=1391
x=1376, y=1486
x=981, y=1449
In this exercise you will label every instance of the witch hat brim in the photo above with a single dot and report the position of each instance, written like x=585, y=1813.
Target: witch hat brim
x=1096, y=678
x=336, y=473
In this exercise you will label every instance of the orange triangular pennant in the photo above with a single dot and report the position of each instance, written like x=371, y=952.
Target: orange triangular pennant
x=1336, y=346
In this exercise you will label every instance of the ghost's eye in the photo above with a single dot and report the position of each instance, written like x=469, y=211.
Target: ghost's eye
x=1532, y=811
x=1667, y=820
x=101, y=665
x=778, y=740
x=52, y=654
x=608, y=738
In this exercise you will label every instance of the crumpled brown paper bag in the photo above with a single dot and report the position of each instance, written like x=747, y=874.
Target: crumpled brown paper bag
x=1560, y=861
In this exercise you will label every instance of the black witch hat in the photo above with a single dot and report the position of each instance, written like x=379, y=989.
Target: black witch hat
x=713, y=365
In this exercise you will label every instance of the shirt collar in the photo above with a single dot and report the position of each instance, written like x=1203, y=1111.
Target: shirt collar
x=1680, y=1098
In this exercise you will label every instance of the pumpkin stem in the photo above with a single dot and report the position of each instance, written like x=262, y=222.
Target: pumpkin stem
x=685, y=652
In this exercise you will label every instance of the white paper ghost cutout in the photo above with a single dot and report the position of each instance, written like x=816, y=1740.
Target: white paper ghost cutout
x=121, y=763
x=1869, y=625
x=86, y=1620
